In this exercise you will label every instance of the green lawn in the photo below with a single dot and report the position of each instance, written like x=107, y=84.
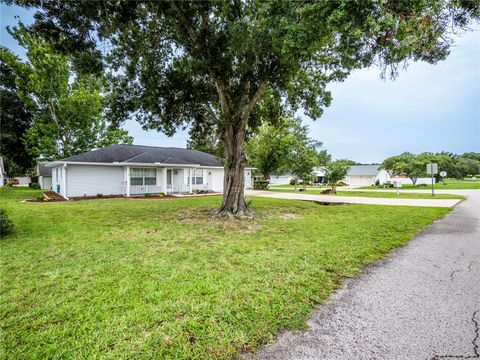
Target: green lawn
x=376, y=194
x=449, y=184
x=125, y=278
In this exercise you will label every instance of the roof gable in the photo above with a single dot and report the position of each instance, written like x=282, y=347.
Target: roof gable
x=363, y=170
x=120, y=153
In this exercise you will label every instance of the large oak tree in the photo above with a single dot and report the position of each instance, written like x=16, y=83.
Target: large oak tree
x=180, y=63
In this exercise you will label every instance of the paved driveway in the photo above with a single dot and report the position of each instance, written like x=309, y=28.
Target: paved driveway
x=421, y=302
x=355, y=200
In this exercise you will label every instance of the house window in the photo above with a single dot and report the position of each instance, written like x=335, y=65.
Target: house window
x=143, y=177
x=197, y=177
x=150, y=176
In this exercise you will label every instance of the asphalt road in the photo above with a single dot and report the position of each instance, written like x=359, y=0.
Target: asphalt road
x=421, y=302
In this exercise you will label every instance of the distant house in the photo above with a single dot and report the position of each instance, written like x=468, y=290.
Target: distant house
x=283, y=179
x=365, y=175
x=44, y=174
x=134, y=170
x=357, y=176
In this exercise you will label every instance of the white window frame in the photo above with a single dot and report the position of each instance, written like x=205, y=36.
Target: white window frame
x=195, y=177
x=143, y=177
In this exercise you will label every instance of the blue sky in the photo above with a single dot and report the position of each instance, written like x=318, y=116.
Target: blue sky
x=428, y=108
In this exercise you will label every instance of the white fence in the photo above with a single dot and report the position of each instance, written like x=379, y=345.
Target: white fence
x=155, y=189
x=145, y=189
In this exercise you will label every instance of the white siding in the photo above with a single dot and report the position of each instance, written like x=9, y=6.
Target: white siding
x=45, y=182
x=215, y=179
x=91, y=180
x=407, y=181
x=360, y=180
x=248, y=179
x=280, y=179
x=23, y=180
x=178, y=179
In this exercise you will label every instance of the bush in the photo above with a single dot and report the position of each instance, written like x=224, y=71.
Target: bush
x=377, y=183
x=9, y=184
x=34, y=185
x=261, y=184
x=99, y=195
x=341, y=183
x=148, y=195
x=292, y=182
x=6, y=225
x=161, y=194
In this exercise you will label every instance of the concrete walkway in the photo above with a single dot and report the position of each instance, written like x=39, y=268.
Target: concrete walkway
x=354, y=199
x=421, y=302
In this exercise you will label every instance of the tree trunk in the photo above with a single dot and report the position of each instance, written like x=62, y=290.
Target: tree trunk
x=414, y=180
x=334, y=188
x=235, y=119
x=233, y=202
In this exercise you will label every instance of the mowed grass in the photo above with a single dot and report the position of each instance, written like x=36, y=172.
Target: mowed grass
x=125, y=278
x=449, y=184
x=375, y=194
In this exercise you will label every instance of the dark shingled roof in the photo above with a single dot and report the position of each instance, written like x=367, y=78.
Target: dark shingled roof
x=363, y=170
x=146, y=155
x=42, y=170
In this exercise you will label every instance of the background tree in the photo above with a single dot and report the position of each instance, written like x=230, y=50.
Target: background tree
x=406, y=164
x=203, y=137
x=181, y=62
x=68, y=117
x=465, y=167
x=269, y=149
x=323, y=157
x=15, y=120
x=348, y=162
x=303, y=154
x=334, y=172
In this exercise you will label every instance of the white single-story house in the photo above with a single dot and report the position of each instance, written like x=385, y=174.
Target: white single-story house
x=365, y=175
x=44, y=174
x=134, y=170
x=283, y=179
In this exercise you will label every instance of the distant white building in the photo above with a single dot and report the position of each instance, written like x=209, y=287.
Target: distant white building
x=366, y=175
x=357, y=176
x=283, y=179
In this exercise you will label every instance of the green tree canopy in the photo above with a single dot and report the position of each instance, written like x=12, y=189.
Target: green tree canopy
x=336, y=171
x=15, y=120
x=68, y=117
x=188, y=62
x=406, y=164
